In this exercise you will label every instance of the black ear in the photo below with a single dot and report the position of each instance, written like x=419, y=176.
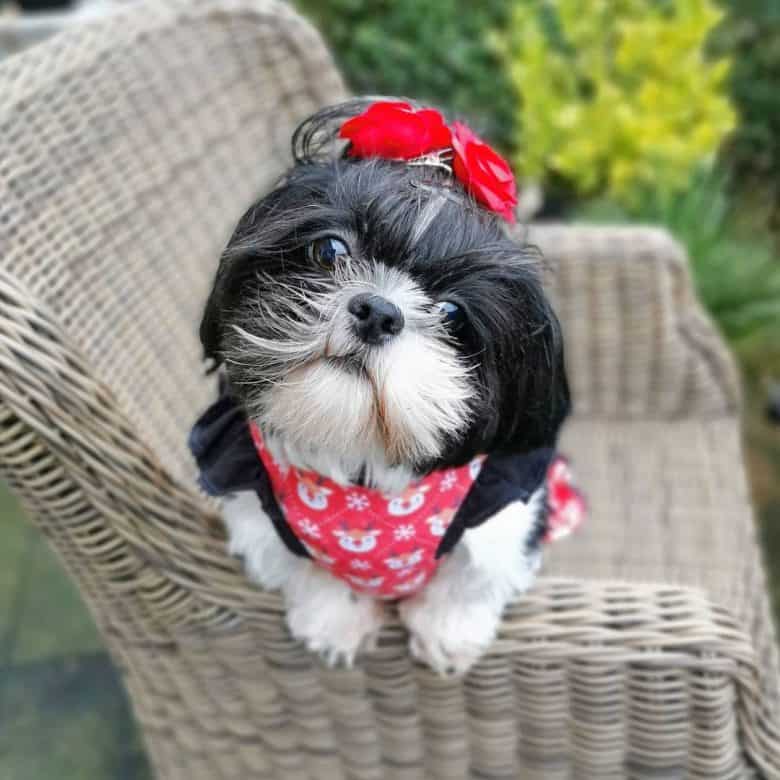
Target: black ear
x=217, y=305
x=236, y=265
x=210, y=324
x=524, y=378
x=536, y=402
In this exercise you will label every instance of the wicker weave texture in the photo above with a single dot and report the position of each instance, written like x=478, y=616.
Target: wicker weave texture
x=638, y=343
x=127, y=150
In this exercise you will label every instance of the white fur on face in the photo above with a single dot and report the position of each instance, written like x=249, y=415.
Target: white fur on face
x=331, y=398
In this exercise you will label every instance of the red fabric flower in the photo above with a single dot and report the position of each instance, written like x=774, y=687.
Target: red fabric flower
x=394, y=130
x=484, y=172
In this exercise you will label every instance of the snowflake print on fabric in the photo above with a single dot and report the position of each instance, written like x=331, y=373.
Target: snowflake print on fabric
x=356, y=501
x=359, y=564
x=310, y=529
x=404, y=532
x=448, y=481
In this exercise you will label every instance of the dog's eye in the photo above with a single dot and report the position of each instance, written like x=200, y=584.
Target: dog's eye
x=450, y=313
x=327, y=251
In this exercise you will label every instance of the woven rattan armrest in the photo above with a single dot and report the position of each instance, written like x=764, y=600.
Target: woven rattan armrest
x=638, y=343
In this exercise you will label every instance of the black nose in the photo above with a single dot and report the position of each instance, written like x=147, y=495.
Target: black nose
x=376, y=319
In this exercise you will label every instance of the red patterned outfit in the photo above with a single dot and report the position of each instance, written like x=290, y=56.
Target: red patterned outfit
x=388, y=546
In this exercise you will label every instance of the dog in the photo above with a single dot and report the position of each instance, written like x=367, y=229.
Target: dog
x=390, y=348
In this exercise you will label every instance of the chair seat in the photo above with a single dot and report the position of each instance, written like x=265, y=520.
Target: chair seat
x=666, y=504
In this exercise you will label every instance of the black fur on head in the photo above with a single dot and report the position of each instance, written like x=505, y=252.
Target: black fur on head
x=416, y=222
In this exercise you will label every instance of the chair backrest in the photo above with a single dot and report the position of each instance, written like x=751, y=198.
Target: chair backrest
x=125, y=160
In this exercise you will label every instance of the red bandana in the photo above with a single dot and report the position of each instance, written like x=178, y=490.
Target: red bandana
x=565, y=503
x=386, y=545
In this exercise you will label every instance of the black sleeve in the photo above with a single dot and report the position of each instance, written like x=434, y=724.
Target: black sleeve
x=502, y=480
x=228, y=462
x=223, y=449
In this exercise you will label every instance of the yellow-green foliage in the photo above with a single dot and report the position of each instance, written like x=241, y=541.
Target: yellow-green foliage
x=616, y=95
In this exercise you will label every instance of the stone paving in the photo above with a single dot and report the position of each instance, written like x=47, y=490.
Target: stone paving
x=63, y=712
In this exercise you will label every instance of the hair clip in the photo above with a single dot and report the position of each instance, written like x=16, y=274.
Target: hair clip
x=393, y=130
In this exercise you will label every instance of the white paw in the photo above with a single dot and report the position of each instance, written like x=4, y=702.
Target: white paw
x=454, y=620
x=329, y=618
x=446, y=635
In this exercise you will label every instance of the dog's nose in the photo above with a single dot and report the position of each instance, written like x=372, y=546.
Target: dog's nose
x=376, y=319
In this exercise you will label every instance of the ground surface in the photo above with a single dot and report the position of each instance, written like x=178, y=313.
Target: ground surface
x=63, y=713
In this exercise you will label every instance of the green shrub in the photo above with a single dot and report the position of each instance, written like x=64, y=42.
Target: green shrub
x=735, y=268
x=433, y=50
x=750, y=35
x=616, y=95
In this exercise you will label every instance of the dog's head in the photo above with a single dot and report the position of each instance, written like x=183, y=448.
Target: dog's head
x=372, y=306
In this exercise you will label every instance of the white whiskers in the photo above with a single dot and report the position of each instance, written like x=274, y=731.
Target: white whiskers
x=328, y=399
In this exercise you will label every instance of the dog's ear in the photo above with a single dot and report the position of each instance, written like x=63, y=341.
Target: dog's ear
x=535, y=396
x=210, y=324
x=236, y=264
x=526, y=393
x=540, y=390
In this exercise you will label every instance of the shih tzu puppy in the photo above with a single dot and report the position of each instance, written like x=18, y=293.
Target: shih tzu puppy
x=392, y=388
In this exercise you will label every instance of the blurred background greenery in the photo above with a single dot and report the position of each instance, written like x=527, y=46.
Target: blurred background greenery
x=657, y=111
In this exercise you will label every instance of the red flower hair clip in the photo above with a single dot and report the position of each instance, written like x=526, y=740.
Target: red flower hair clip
x=394, y=130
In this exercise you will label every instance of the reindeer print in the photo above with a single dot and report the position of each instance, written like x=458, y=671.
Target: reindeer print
x=401, y=561
x=312, y=493
x=438, y=523
x=357, y=540
x=409, y=501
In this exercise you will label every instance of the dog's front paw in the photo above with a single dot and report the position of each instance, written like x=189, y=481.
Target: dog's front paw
x=339, y=636
x=330, y=619
x=448, y=636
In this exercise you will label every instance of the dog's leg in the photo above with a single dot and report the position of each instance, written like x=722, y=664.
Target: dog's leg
x=455, y=618
x=253, y=538
x=322, y=611
x=329, y=617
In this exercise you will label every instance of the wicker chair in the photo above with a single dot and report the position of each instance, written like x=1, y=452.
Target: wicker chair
x=128, y=148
